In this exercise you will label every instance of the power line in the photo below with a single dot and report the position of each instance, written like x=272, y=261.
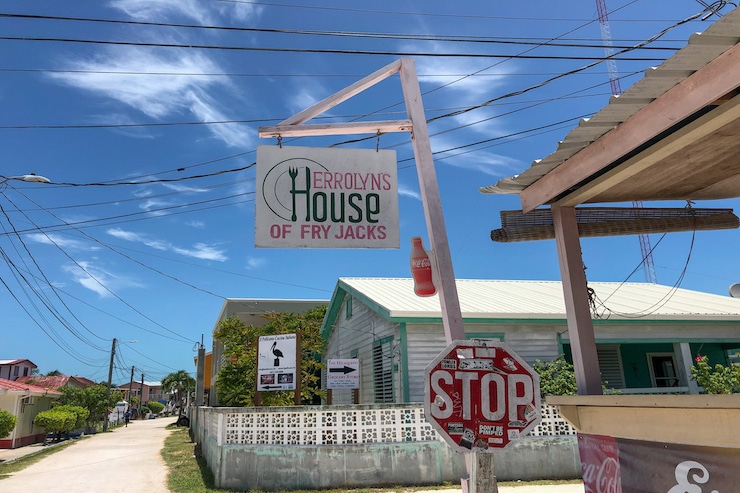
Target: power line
x=350, y=34
x=316, y=51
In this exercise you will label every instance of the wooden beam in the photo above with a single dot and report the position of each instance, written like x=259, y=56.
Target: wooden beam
x=336, y=128
x=717, y=78
x=343, y=95
x=575, y=292
x=701, y=128
x=448, y=299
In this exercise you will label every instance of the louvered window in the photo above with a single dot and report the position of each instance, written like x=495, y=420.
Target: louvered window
x=383, y=369
x=610, y=364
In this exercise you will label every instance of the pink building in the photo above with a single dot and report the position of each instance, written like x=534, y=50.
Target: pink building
x=11, y=369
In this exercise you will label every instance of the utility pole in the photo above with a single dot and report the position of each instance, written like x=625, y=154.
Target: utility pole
x=141, y=395
x=110, y=382
x=130, y=384
x=200, y=374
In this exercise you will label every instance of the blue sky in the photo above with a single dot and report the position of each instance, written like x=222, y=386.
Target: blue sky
x=148, y=131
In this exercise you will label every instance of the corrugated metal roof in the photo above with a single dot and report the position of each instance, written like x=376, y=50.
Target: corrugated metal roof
x=544, y=300
x=16, y=387
x=702, y=48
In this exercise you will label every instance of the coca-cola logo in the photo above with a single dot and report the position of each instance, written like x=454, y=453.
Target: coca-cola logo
x=420, y=263
x=609, y=479
x=603, y=478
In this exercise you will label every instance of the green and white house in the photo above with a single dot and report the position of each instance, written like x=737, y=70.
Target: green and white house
x=647, y=335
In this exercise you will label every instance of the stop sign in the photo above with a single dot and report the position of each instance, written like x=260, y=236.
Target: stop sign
x=480, y=395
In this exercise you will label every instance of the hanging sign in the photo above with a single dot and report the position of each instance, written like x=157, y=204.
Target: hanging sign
x=276, y=362
x=310, y=197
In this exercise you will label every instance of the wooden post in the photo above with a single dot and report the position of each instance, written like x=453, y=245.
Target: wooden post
x=575, y=291
x=297, y=393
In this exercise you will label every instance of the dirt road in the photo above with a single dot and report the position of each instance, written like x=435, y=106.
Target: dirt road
x=124, y=460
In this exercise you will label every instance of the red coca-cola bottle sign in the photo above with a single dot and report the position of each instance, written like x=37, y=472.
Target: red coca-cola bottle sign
x=421, y=269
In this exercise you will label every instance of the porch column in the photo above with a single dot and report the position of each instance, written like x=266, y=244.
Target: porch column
x=684, y=361
x=575, y=291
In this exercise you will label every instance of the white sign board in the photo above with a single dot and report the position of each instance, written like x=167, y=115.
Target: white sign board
x=343, y=374
x=310, y=197
x=276, y=362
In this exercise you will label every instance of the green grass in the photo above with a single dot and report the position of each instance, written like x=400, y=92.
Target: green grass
x=10, y=467
x=190, y=474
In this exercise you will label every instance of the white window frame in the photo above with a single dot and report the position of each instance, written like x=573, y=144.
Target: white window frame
x=653, y=380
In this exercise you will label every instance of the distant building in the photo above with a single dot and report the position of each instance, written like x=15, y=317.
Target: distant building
x=11, y=369
x=57, y=381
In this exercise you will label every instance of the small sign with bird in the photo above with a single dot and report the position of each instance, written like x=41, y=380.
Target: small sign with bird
x=276, y=362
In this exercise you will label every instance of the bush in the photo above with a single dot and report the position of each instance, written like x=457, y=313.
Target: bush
x=718, y=380
x=80, y=412
x=155, y=407
x=556, y=377
x=7, y=423
x=57, y=422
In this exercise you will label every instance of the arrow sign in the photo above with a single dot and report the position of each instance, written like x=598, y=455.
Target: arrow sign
x=343, y=374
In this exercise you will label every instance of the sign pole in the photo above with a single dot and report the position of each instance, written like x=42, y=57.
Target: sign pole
x=416, y=124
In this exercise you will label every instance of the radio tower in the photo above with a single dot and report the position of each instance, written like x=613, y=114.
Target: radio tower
x=648, y=266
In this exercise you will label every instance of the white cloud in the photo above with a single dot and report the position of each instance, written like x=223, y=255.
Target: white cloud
x=177, y=187
x=255, y=262
x=404, y=191
x=99, y=280
x=196, y=224
x=60, y=241
x=199, y=250
x=163, y=9
x=158, y=96
x=196, y=10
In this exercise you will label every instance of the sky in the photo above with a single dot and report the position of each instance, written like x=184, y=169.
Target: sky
x=144, y=115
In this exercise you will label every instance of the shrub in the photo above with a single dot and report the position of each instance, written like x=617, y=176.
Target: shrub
x=7, y=423
x=80, y=413
x=718, y=380
x=155, y=407
x=556, y=377
x=57, y=422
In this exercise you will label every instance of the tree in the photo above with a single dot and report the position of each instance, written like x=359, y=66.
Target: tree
x=81, y=414
x=236, y=380
x=557, y=377
x=53, y=373
x=7, y=423
x=718, y=380
x=178, y=382
x=93, y=399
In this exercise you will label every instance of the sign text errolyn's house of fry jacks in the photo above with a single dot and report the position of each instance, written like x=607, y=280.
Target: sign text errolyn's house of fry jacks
x=326, y=198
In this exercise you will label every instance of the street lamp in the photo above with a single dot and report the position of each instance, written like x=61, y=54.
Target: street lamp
x=30, y=178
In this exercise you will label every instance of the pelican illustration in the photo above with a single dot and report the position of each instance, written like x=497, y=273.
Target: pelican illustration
x=278, y=353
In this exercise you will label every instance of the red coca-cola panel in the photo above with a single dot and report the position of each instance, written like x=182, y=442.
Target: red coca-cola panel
x=618, y=465
x=600, y=464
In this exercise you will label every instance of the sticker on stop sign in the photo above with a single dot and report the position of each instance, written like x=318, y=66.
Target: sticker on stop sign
x=481, y=396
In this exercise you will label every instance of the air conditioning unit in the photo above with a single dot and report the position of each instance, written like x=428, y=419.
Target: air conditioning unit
x=27, y=401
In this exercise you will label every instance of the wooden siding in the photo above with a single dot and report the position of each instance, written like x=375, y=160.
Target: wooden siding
x=425, y=341
x=358, y=333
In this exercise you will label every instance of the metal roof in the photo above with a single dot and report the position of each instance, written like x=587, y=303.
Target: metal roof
x=492, y=299
x=26, y=389
x=708, y=166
